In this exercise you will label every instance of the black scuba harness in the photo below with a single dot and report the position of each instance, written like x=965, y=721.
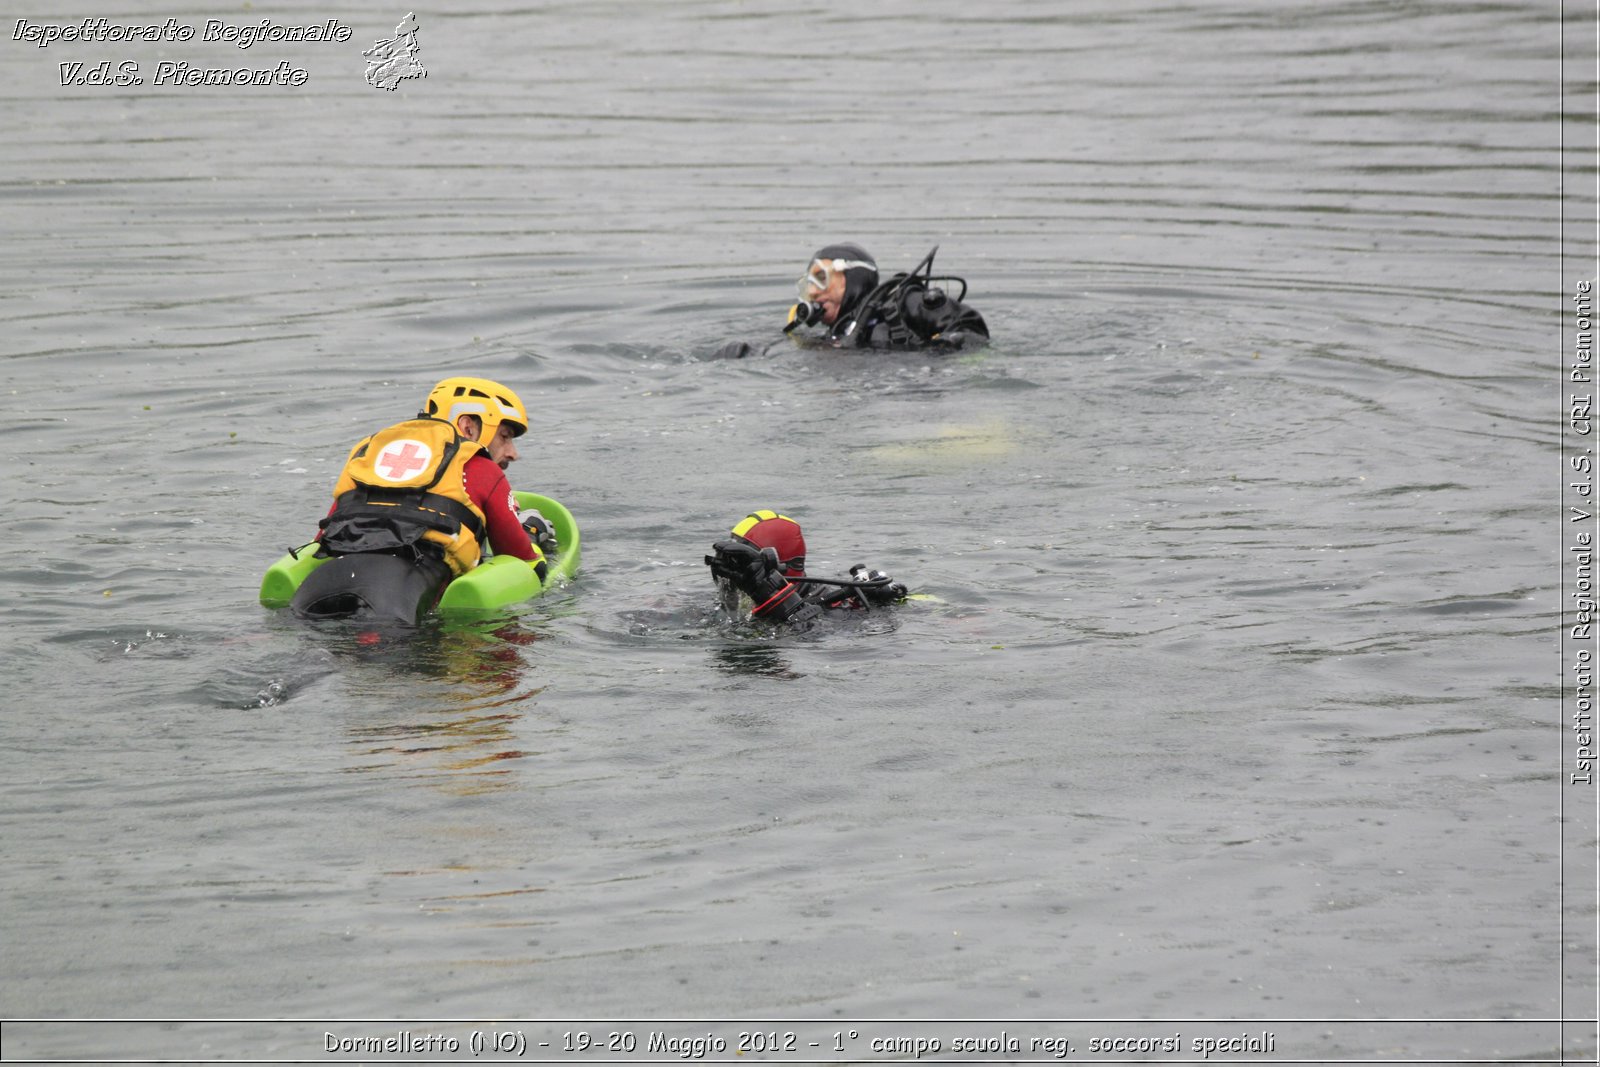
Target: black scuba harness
x=886, y=306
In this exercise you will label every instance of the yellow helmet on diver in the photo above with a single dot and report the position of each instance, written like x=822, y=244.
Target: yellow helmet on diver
x=490, y=401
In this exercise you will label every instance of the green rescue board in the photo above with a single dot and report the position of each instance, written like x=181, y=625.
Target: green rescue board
x=496, y=583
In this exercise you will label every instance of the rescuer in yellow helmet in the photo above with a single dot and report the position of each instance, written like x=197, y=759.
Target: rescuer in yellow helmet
x=418, y=502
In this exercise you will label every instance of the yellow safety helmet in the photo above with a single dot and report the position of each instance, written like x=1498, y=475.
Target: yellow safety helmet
x=489, y=401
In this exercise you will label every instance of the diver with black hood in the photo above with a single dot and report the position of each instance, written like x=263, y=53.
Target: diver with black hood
x=840, y=291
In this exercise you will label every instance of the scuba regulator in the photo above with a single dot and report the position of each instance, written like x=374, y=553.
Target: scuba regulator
x=805, y=313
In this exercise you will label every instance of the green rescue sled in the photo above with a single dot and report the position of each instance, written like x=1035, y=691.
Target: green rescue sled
x=495, y=584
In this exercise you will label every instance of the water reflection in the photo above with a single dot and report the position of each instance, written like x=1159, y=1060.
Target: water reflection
x=464, y=754
x=764, y=660
x=484, y=657
x=442, y=703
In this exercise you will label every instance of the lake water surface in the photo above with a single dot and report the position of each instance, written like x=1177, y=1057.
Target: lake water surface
x=1233, y=702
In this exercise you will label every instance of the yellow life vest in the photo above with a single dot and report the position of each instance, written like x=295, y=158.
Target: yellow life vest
x=404, y=489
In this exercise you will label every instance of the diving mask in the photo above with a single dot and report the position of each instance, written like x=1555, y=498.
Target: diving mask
x=820, y=275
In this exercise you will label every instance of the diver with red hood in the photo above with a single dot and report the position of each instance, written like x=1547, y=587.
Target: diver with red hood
x=765, y=559
x=840, y=291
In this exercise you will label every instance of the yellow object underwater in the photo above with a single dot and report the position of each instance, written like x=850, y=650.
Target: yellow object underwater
x=953, y=444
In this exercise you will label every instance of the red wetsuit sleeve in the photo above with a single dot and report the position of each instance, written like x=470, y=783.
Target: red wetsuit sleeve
x=487, y=486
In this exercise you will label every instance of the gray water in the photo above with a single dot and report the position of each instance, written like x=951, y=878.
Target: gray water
x=1234, y=693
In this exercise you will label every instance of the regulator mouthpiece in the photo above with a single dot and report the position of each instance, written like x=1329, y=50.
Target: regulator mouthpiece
x=806, y=313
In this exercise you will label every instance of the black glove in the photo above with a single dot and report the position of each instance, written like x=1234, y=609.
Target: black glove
x=757, y=574
x=888, y=594
x=540, y=532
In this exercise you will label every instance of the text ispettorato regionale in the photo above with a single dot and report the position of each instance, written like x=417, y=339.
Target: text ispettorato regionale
x=102, y=30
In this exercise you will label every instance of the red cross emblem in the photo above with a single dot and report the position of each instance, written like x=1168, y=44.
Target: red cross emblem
x=402, y=459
